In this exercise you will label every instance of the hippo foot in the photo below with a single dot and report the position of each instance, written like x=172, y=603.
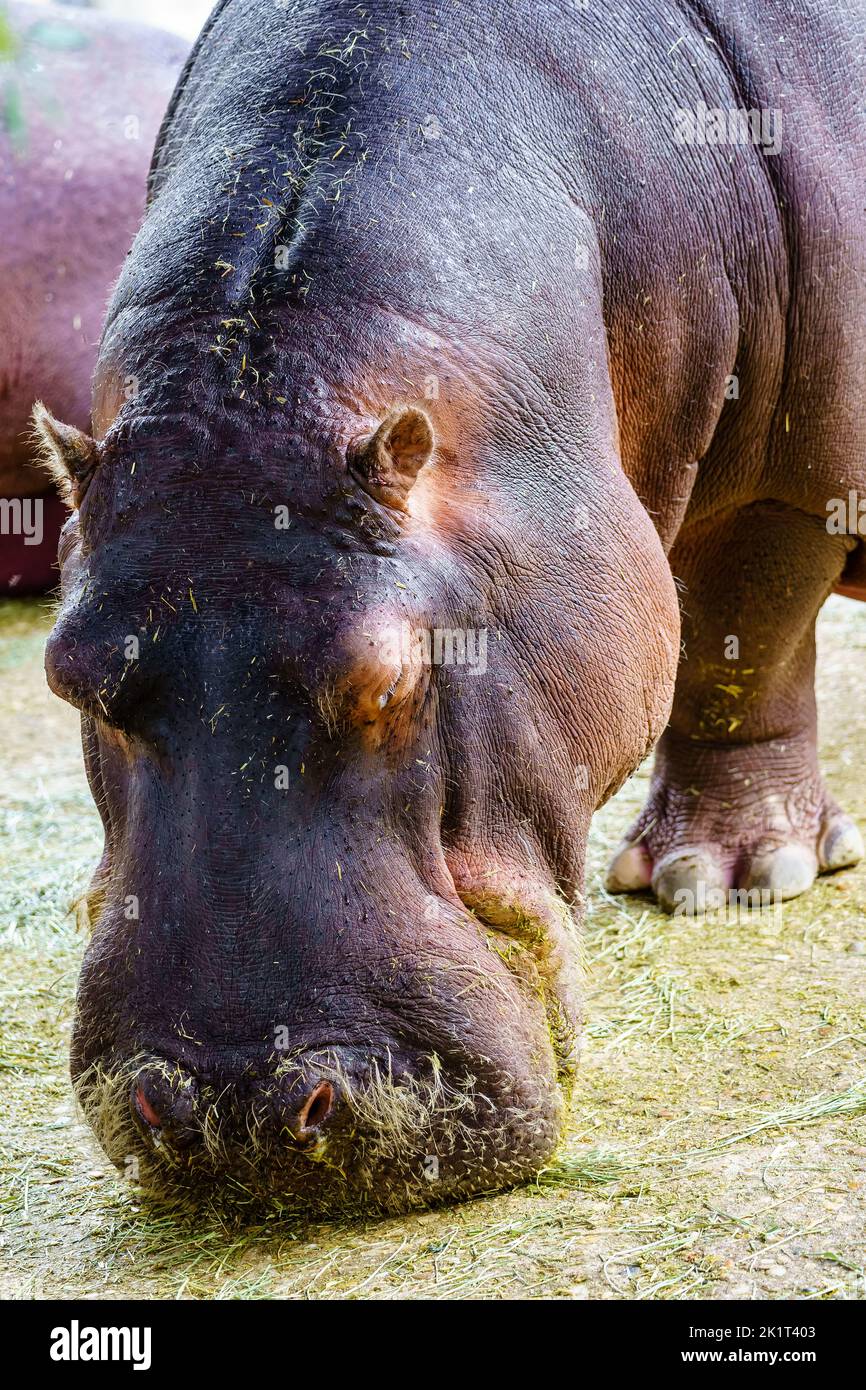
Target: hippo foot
x=755, y=818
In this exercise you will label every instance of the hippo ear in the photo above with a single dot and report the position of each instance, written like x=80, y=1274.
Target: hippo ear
x=67, y=453
x=387, y=464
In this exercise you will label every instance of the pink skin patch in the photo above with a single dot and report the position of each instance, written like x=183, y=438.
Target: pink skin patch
x=146, y=1111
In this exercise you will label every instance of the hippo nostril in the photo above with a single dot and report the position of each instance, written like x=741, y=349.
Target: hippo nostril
x=145, y=1109
x=316, y=1109
x=163, y=1104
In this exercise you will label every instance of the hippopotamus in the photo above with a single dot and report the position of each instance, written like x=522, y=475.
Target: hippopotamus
x=82, y=97
x=472, y=344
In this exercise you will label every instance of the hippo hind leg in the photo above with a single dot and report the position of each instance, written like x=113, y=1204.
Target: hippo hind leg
x=737, y=800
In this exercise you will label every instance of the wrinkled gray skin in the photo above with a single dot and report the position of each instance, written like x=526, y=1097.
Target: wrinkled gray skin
x=468, y=235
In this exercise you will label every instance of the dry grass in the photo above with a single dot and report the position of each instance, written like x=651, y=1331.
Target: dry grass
x=718, y=1142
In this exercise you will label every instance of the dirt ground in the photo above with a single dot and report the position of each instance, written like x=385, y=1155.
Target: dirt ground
x=717, y=1147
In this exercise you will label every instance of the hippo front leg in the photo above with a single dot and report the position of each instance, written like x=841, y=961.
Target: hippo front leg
x=737, y=799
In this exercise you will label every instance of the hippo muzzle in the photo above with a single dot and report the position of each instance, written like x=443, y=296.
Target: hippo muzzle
x=396, y=1080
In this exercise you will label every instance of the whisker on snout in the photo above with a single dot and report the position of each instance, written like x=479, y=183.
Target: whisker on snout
x=328, y=1137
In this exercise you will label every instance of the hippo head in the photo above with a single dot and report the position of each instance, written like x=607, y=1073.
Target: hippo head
x=345, y=724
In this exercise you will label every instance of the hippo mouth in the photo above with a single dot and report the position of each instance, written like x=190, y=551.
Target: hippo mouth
x=532, y=929
x=385, y=1125
x=389, y=1140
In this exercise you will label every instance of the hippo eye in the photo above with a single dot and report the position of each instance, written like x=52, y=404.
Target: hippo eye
x=388, y=694
x=383, y=671
x=379, y=693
